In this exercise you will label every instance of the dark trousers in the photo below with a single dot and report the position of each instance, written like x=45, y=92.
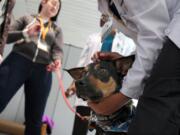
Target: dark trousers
x=17, y=70
x=158, y=110
x=80, y=126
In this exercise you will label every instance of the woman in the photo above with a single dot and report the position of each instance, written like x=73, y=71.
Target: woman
x=37, y=51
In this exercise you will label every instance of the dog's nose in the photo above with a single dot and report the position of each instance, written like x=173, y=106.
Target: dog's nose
x=81, y=82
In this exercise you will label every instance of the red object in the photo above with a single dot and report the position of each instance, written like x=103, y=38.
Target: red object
x=61, y=87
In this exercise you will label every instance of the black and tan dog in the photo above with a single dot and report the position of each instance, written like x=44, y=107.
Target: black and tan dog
x=99, y=80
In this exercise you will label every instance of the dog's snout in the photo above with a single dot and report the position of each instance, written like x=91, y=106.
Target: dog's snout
x=81, y=82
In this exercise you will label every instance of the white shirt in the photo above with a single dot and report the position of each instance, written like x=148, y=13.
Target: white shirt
x=123, y=45
x=147, y=22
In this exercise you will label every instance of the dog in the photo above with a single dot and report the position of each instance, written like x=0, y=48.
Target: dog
x=99, y=80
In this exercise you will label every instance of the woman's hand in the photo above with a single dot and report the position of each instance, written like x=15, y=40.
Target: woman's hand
x=54, y=66
x=33, y=30
x=110, y=104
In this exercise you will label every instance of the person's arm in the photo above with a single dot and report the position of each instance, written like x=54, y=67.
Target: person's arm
x=109, y=105
x=16, y=30
x=151, y=27
x=57, y=52
x=14, y=36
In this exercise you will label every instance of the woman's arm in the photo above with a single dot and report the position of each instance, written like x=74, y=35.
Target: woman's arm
x=57, y=52
x=16, y=30
x=14, y=36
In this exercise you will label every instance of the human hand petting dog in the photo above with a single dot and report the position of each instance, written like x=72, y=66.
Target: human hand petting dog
x=110, y=104
x=122, y=65
x=54, y=66
x=98, y=56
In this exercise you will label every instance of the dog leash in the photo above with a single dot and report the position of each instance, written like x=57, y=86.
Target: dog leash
x=61, y=87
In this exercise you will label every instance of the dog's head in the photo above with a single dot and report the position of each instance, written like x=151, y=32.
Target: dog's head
x=99, y=80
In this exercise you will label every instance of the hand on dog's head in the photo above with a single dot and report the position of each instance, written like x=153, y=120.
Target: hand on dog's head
x=99, y=80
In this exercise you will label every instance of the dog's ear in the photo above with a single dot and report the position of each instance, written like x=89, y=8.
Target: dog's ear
x=123, y=64
x=76, y=73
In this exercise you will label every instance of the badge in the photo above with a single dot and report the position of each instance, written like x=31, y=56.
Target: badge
x=43, y=46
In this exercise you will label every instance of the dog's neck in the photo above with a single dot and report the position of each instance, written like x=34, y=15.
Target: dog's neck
x=120, y=115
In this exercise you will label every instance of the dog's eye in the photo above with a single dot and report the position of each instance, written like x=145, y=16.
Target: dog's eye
x=84, y=73
x=103, y=71
x=103, y=74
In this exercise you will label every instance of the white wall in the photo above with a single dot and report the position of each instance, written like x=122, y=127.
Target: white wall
x=79, y=18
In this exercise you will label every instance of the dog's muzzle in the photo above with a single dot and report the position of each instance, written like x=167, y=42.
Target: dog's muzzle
x=86, y=91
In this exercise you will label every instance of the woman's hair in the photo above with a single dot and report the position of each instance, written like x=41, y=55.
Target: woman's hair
x=52, y=18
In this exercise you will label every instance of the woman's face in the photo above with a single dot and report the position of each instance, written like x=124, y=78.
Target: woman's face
x=51, y=7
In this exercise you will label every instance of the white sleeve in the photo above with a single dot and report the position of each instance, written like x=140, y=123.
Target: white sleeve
x=151, y=23
x=84, y=54
x=173, y=30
